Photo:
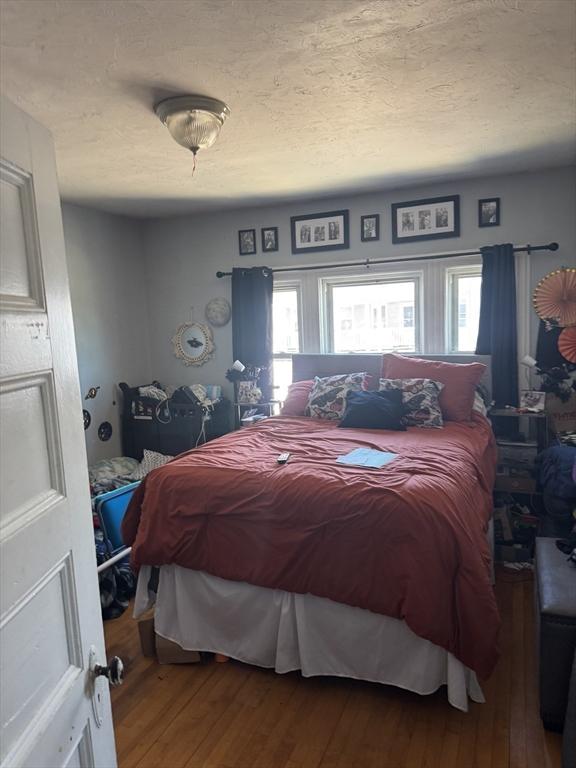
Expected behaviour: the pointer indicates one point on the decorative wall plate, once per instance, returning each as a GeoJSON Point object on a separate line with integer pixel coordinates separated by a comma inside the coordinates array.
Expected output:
{"type": "Point", "coordinates": [105, 431]}
{"type": "Point", "coordinates": [87, 418]}
{"type": "Point", "coordinates": [193, 343]}
{"type": "Point", "coordinates": [555, 297]}
{"type": "Point", "coordinates": [567, 344]}
{"type": "Point", "coordinates": [218, 312]}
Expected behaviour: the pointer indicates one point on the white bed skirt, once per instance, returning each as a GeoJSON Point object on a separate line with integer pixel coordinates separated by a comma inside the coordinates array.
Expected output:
{"type": "Point", "coordinates": [287, 632]}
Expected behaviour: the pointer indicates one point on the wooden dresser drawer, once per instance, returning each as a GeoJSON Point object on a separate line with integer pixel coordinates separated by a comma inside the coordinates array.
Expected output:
{"type": "Point", "coordinates": [515, 484]}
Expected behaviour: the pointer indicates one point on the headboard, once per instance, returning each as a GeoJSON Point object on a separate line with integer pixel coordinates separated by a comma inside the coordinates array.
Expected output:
{"type": "Point", "coordinates": [308, 366]}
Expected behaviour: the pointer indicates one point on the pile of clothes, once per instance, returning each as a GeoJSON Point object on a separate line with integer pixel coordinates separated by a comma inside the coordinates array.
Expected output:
{"type": "Point", "coordinates": [117, 583]}
{"type": "Point", "coordinates": [108, 474]}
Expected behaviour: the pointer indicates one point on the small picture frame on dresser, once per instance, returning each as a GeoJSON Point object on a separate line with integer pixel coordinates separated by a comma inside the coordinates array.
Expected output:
{"type": "Point", "coordinates": [532, 401]}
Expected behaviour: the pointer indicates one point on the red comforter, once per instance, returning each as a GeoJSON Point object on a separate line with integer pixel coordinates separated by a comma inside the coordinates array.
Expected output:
{"type": "Point", "coordinates": [407, 540]}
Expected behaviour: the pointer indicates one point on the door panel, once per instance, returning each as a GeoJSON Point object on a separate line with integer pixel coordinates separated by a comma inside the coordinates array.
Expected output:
{"type": "Point", "coordinates": [49, 602]}
{"type": "Point", "coordinates": [39, 629]}
{"type": "Point", "coordinates": [28, 408]}
{"type": "Point", "coordinates": [20, 264]}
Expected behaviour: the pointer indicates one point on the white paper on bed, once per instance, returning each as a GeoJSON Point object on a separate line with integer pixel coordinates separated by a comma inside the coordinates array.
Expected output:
{"type": "Point", "coordinates": [286, 632]}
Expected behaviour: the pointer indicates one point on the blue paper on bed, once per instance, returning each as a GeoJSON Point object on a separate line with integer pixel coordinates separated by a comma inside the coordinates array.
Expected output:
{"type": "Point", "coordinates": [367, 457]}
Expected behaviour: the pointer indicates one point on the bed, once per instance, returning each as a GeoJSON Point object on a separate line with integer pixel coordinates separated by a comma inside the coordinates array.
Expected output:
{"type": "Point", "coordinates": [378, 575]}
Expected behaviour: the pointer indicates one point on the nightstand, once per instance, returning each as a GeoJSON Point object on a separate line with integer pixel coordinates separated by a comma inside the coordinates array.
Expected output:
{"type": "Point", "coordinates": [518, 504]}
{"type": "Point", "coordinates": [269, 408]}
{"type": "Point", "coordinates": [520, 438]}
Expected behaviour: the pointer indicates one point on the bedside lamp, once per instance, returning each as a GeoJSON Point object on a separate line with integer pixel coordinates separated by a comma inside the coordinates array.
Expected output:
{"type": "Point", "coordinates": [529, 364]}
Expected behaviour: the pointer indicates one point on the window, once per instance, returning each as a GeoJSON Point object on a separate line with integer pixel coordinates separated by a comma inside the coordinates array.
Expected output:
{"type": "Point", "coordinates": [429, 307]}
{"type": "Point", "coordinates": [286, 336]}
{"type": "Point", "coordinates": [372, 315]}
{"type": "Point", "coordinates": [464, 286]}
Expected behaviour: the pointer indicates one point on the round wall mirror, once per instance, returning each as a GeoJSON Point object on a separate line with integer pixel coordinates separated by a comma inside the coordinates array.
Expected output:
{"type": "Point", "coordinates": [193, 343]}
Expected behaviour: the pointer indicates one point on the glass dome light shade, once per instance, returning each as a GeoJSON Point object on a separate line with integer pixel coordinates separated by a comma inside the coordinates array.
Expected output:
{"type": "Point", "coordinates": [193, 121]}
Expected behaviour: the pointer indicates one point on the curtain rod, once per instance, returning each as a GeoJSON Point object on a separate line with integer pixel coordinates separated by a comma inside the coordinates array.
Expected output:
{"type": "Point", "coordinates": [368, 262]}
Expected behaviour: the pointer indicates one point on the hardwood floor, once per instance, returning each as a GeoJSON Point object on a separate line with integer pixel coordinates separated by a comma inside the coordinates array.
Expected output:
{"type": "Point", "coordinates": [236, 716]}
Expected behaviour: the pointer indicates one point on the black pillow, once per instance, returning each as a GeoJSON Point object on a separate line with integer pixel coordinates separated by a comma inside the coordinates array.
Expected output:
{"type": "Point", "coordinates": [374, 410]}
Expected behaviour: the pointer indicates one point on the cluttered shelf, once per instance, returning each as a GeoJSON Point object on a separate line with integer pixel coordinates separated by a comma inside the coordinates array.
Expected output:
{"type": "Point", "coordinates": [517, 413]}
{"type": "Point", "coordinates": [518, 507]}
{"type": "Point", "coordinates": [171, 420]}
{"type": "Point", "coordinates": [519, 443]}
{"type": "Point", "coordinates": [533, 476]}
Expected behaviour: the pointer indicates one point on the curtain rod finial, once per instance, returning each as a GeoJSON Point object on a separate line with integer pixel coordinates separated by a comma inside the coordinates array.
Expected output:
{"type": "Point", "coordinates": [219, 274]}
{"type": "Point", "coordinates": [553, 247]}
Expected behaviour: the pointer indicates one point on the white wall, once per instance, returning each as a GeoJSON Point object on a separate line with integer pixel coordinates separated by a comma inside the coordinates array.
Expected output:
{"type": "Point", "coordinates": [108, 286]}
{"type": "Point", "coordinates": [183, 254]}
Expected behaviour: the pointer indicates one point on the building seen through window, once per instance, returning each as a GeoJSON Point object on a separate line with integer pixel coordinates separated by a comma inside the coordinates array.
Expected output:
{"type": "Point", "coordinates": [374, 317]}
{"type": "Point", "coordinates": [466, 301]}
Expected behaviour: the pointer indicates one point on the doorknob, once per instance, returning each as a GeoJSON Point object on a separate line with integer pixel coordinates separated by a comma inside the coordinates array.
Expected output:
{"type": "Point", "coordinates": [114, 672]}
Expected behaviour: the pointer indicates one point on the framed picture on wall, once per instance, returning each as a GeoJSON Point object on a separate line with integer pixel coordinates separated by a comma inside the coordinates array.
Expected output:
{"type": "Point", "coordinates": [430, 219]}
{"type": "Point", "coordinates": [247, 241]}
{"type": "Point", "coordinates": [320, 232]}
{"type": "Point", "coordinates": [269, 239]}
{"type": "Point", "coordinates": [489, 212]}
{"type": "Point", "coordinates": [370, 227]}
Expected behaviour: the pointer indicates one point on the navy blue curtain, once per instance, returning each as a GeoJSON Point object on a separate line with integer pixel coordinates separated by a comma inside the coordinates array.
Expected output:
{"type": "Point", "coordinates": [252, 321]}
{"type": "Point", "coordinates": [497, 331]}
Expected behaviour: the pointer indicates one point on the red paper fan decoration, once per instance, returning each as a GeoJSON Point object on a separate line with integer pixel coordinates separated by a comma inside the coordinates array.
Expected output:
{"type": "Point", "coordinates": [555, 297]}
{"type": "Point", "coordinates": [567, 344]}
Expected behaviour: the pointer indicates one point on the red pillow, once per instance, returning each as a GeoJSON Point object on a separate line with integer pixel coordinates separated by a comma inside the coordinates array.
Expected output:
{"type": "Point", "coordinates": [459, 379]}
{"type": "Point", "coordinates": [297, 398]}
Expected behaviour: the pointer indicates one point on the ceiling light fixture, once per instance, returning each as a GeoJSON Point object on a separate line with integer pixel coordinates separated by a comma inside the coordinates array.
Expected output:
{"type": "Point", "coordinates": [193, 121]}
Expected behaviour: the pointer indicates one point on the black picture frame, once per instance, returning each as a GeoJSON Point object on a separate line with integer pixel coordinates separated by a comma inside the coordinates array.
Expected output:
{"type": "Point", "coordinates": [374, 237]}
{"type": "Point", "coordinates": [488, 217]}
{"type": "Point", "coordinates": [244, 246]}
{"type": "Point", "coordinates": [327, 231]}
{"type": "Point", "coordinates": [425, 219]}
{"type": "Point", "coordinates": [269, 237]}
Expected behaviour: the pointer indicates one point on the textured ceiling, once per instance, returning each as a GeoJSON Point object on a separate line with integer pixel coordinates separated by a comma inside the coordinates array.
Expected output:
{"type": "Point", "coordinates": [326, 95]}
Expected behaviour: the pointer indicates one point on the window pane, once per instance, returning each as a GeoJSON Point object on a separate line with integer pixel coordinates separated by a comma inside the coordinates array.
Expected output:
{"type": "Point", "coordinates": [467, 306]}
{"type": "Point", "coordinates": [286, 339]}
{"type": "Point", "coordinates": [374, 317]}
{"type": "Point", "coordinates": [281, 376]}
{"type": "Point", "coordinates": [285, 321]}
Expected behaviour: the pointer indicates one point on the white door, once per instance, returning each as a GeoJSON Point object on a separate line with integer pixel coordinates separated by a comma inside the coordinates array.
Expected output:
{"type": "Point", "coordinates": [49, 609]}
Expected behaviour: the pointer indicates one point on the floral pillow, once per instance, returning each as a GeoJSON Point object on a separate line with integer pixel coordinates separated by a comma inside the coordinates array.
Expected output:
{"type": "Point", "coordinates": [328, 396]}
{"type": "Point", "coordinates": [420, 398]}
